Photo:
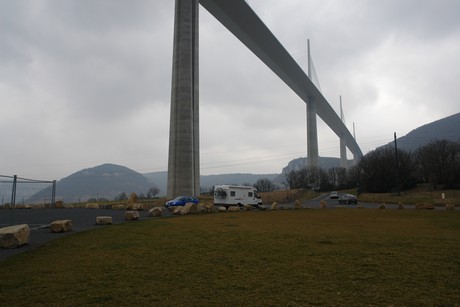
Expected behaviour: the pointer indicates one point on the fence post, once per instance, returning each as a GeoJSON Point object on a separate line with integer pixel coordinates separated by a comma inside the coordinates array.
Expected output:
{"type": "Point", "coordinates": [13, 198]}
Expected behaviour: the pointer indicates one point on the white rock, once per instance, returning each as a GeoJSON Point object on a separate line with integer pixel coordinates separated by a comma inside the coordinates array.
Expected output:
{"type": "Point", "coordinates": [156, 211]}
{"type": "Point", "coordinates": [233, 209]}
{"type": "Point", "coordinates": [103, 220]}
{"type": "Point", "coordinates": [131, 215]}
{"type": "Point", "coordinates": [14, 236]}
{"type": "Point", "coordinates": [221, 209]}
{"type": "Point", "coordinates": [61, 226]}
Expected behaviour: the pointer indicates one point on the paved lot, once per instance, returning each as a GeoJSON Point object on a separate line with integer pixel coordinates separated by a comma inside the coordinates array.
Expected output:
{"type": "Point", "coordinates": [38, 219]}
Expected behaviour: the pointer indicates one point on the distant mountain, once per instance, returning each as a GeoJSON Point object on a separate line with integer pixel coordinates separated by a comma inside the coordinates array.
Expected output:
{"type": "Point", "coordinates": [447, 128]}
{"type": "Point", "coordinates": [103, 181]}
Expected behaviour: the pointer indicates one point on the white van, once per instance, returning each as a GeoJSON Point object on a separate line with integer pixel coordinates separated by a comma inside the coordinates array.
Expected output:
{"type": "Point", "coordinates": [235, 195]}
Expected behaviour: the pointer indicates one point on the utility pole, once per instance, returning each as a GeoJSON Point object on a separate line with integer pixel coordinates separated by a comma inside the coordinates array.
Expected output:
{"type": "Point", "coordinates": [397, 166]}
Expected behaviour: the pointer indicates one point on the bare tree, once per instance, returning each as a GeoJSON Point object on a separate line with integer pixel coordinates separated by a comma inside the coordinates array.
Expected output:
{"type": "Point", "coordinates": [439, 162]}
{"type": "Point", "coordinates": [153, 191]}
{"type": "Point", "coordinates": [264, 185]}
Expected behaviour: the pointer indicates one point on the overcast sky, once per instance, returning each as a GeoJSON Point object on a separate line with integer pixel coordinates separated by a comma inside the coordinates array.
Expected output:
{"type": "Point", "coordinates": [89, 82]}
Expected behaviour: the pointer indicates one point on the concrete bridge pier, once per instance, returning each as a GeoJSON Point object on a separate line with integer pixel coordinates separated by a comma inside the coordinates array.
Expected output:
{"type": "Point", "coordinates": [312, 134]}
{"type": "Point", "coordinates": [343, 152]}
{"type": "Point", "coordinates": [184, 152]}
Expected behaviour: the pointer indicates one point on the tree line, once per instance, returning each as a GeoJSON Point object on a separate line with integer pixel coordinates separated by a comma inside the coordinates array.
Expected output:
{"type": "Point", "coordinates": [384, 170]}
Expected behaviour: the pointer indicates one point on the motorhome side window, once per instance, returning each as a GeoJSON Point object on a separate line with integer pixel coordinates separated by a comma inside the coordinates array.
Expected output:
{"type": "Point", "coordinates": [232, 193]}
{"type": "Point", "coordinates": [250, 194]}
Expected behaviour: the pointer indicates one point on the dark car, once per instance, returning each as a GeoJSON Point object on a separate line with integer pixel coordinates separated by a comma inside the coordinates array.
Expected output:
{"type": "Point", "coordinates": [348, 199]}
{"type": "Point", "coordinates": [181, 201]}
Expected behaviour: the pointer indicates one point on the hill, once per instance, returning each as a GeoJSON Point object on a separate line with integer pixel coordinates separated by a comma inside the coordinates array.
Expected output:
{"type": "Point", "coordinates": [447, 128]}
{"type": "Point", "coordinates": [103, 181]}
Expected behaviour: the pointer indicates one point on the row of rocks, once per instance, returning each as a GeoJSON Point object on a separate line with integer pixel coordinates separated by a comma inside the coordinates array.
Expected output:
{"type": "Point", "coordinates": [420, 206]}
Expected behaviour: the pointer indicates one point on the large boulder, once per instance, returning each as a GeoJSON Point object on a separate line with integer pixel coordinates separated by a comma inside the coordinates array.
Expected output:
{"type": "Point", "coordinates": [322, 204]}
{"type": "Point", "coordinates": [92, 206]}
{"type": "Point", "coordinates": [221, 209]}
{"type": "Point", "coordinates": [200, 208]}
{"type": "Point", "coordinates": [275, 206]}
{"type": "Point", "coordinates": [156, 211]}
{"type": "Point", "coordinates": [131, 215]}
{"type": "Point", "coordinates": [61, 226]}
{"type": "Point", "coordinates": [59, 204]}
{"type": "Point", "coordinates": [450, 207]}
{"type": "Point", "coordinates": [233, 209]}
{"type": "Point", "coordinates": [209, 207]}
{"type": "Point", "coordinates": [132, 198]}
{"type": "Point", "coordinates": [382, 206]}
{"type": "Point", "coordinates": [188, 208]}
{"type": "Point", "coordinates": [297, 204]}
{"type": "Point", "coordinates": [140, 206]}
{"type": "Point", "coordinates": [424, 206]}
{"type": "Point", "coordinates": [247, 208]}
{"type": "Point", "coordinates": [400, 206]}
{"type": "Point", "coordinates": [103, 220]}
{"type": "Point", "coordinates": [14, 236]}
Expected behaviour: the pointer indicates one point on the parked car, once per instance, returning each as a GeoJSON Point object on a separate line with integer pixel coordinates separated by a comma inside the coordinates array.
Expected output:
{"type": "Point", "coordinates": [348, 199]}
{"type": "Point", "coordinates": [334, 195]}
{"type": "Point", "coordinates": [181, 201]}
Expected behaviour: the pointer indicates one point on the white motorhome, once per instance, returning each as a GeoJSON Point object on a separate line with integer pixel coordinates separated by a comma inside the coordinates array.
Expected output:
{"type": "Point", "coordinates": [235, 195]}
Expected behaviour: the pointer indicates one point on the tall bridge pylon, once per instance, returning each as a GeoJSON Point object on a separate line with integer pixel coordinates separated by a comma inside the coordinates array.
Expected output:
{"type": "Point", "coordinates": [238, 17]}
{"type": "Point", "coordinates": [184, 145]}
{"type": "Point", "coordinates": [312, 127]}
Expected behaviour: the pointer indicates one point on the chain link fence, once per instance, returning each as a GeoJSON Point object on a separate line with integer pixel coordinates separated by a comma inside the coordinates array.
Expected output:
{"type": "Point", "coordinates": [23, 193]}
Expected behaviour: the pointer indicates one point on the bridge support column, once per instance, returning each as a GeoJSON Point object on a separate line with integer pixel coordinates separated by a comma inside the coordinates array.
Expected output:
{"type": "Point", "coordinates": [343, 153]}
{"type": "Point", "coordinates": [184, 152]}
{"type": "Point", "coordinates": [312, 134]}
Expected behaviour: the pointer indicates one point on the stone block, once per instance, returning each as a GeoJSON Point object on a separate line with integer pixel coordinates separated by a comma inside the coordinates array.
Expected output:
{"type": "Point", "coordinates": [14, 236]}
{"type": "Point", "coordinates": [424, 206]}
{"type": "Point", "coordinates": [221, 209]}
{"type": "Point", "coordinates": [61, 226]}
{"type": "Point", "coordinates": [209, 208]}
{"type": "Point", "coordinates": [131, 215]}
{"type": "Point", "coordinates": [297, 204]}
{"type": "Point", "coordinates": [103, 220]}
{"type": "Point", "coordinates": [322, 204]}
{"type": "Point", "coordinates": [233, 209]}
{"type": "Point", "coordinates": [156, 211]}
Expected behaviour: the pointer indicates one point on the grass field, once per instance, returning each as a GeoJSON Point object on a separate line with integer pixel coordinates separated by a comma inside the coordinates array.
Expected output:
{"type": "Point", "coordinates": [334, 257]}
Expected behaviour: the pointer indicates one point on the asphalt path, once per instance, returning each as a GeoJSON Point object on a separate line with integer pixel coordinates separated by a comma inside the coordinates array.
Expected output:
{"type": "Point", "coordinates": [39, 219]}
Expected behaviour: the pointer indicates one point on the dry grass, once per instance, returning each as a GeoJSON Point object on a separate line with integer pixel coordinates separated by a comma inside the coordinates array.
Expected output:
{"type": "Point", "coordinates": [341, 257]}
